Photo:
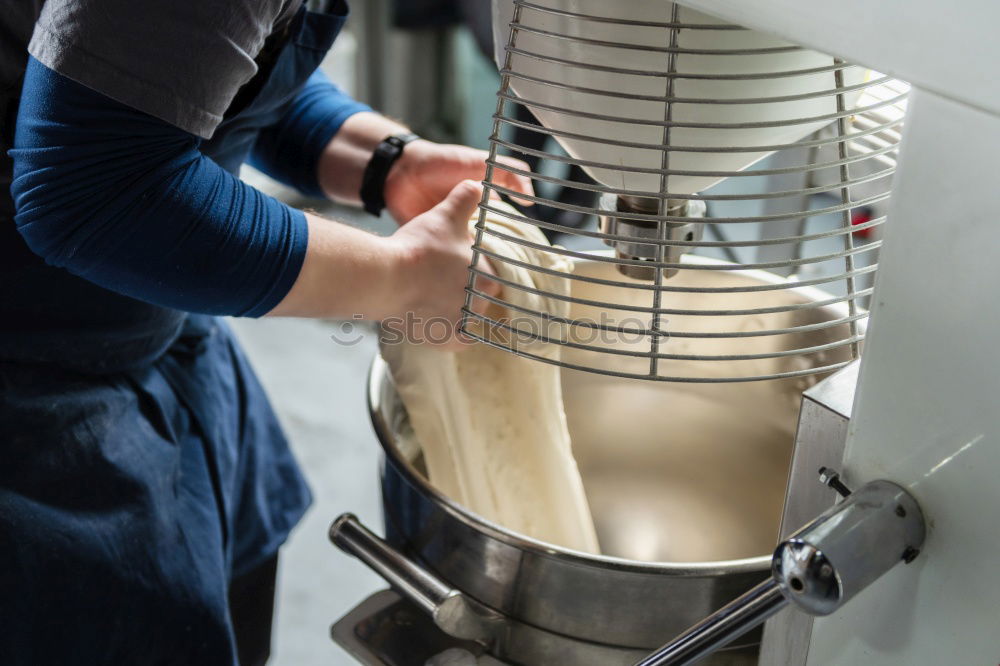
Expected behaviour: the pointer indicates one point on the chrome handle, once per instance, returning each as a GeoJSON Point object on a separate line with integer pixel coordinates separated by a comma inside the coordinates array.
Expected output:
{"type": "Point", "coordinates": [818, 569]}
{"type": "Point", "coordinates": [721, 627]}
{"type": "Point", "coordinates": [455, 613]}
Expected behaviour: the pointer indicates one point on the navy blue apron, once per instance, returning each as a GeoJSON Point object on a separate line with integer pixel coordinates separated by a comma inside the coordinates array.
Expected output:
{"type": "Point", "coordinates": [141, 466]}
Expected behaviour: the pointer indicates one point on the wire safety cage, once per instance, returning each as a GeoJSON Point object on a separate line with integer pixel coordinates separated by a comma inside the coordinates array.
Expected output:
{"type": "Point", "coordinates": [721, 193]}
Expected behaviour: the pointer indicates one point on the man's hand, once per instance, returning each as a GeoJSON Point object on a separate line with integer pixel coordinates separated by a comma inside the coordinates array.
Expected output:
{"type": "Point", "coordinates": [426, 172]}
{"type": "Point", "coordinates": [419, 180]}
{"type": "Point", "coordinates": [435, 251]}
{"type": "Point", "coordinates": [413, 280]}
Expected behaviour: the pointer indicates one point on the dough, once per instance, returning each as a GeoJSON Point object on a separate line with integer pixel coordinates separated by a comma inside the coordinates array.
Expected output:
{"type": "Point", "coordinates": [491, 424]}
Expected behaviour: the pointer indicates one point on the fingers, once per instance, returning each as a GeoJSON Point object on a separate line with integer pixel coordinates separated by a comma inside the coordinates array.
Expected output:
{"type": "Point", "coordinates": [460, 204]}
{"type": "Point", "coordinates": [514, 181]}
{"type": "Point", "coordinates": [483, 307]}
{"type": "Point", "coordinates": [484, 284]}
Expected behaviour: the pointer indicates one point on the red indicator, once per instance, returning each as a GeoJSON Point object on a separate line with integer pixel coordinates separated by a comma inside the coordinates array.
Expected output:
{"type": "Point", "coordinates": [861, 216]}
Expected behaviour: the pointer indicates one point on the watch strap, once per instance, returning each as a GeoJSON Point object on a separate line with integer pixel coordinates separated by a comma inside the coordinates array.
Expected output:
{"type": "Point", "coordinates": [383, 157]}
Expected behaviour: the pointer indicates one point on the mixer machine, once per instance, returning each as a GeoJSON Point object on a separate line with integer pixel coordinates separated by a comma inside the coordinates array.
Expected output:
{"type": "Point", "coordinates": [741, 183]}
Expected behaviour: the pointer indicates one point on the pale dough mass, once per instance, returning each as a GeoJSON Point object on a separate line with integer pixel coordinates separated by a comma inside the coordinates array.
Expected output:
{"type": "Point", "coordinates": [490, 423]}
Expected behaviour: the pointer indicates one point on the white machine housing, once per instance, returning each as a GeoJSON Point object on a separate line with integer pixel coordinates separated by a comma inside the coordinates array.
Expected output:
{"type": "Point", "coordinates": [605, 52]}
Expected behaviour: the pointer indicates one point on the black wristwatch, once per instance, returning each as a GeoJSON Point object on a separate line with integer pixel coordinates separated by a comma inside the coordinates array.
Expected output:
{"type": "Point", "coordinates": [373, 182]}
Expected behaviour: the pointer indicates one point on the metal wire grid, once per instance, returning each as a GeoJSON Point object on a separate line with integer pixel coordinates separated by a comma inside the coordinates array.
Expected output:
{"type": "Point", "coordinates": [671, 337]}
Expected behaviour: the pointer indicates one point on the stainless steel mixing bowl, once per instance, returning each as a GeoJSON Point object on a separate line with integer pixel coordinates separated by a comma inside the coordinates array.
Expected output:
{"type": "Point", "coordinates": [685, 482]}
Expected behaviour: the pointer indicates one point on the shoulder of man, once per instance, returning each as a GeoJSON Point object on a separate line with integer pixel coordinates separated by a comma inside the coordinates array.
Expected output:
{"type": "Point", "coordinates": [179, 60]}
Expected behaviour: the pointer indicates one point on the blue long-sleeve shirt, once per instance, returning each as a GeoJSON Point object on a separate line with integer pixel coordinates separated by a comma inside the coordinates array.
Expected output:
{"type": "Point", "coordinates": [289, 150]}
{"type": "Point", "coordinates": [145, 210]}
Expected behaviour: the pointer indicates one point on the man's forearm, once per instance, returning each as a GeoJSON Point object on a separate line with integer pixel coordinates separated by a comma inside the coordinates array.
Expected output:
{"type": "Point", "coordinates": [419, 273]}
{"type": "Point", "coordinates": [343, 161]}
{"type": "Point", "coordinates": [346, 272]}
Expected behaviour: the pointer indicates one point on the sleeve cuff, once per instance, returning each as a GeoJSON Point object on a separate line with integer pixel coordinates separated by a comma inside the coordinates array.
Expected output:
{"type": "Point", "coordinates": [297, 240]}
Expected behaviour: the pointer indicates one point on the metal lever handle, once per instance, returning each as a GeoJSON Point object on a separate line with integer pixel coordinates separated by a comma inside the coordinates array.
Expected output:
{"type": "Point", "coordinates": [452, 611]}
{"type": "Point", "coordinates": [721, 627]}
{"type": "Point", "coordinates": [818, 569]}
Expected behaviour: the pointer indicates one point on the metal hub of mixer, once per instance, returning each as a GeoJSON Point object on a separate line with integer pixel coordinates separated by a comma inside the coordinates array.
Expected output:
{"type": "Point", "coordinates": [678, 234]}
